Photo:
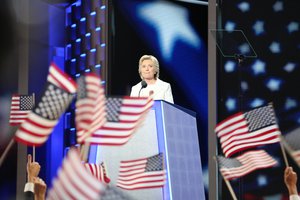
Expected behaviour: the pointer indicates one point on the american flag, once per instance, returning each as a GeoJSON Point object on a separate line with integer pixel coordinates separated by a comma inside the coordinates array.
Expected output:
{"type": "Point", "coordinates": [142, 173]}
{"type": "Point", "coordinates": [21, 105]}
{"type": "Point", "coordinates": [73, 181]}
{"type": "Point", "coordinates": [98, 170]}
{"type": "Point", "coordinates": [237, 167]}
{"type": "Point", "coordinates": [123, 117]}
{"type": "Point", "coordinates": [90, 106]}
{"type": "Point", "coordinates": [34, 131]}
{"type": "Point", "coordinates": [246, 130]}
{"type": "Point", "coordinates": [292, 143]}
{"type": "Point", "coordinates": [46, 113]}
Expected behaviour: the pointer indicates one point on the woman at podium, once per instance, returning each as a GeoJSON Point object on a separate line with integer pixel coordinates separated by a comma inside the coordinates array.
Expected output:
{"type": "Point", "coordinates": [150, 83]}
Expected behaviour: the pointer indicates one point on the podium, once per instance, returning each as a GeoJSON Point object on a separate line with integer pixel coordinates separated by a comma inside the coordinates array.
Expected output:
{"type": "Point", "coordinates": [172, 130]}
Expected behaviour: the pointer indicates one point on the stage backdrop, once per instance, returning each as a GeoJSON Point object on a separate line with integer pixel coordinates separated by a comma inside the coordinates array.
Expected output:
{"type": "Point", "coordinates": [175, 32]}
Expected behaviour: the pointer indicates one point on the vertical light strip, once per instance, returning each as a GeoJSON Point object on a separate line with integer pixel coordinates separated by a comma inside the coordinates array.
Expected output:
{"type": "Point", "coordinates": [160, 123]}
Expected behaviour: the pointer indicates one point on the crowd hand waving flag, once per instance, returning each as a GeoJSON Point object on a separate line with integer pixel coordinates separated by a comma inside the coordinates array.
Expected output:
{"type": "Point", "coordinates": [247, 130]}
{"type": "Point", "coordinates": [73, 181]}
{"type": "Point", "coordinates": [98, 170]}
{"type": "Point", "coordinates": [58, 94]}
{"type": "Point", "coordinates": [142, 173]}
{"type": "Point", "coordinates": [232, 168]}
{"type": "Point", "coordinates": [124, 115]}
{"type": "Point", "coordinates": [21, 105]}
{"type": "Point", "coordinates": [291, 142]}
{"type": "Point", "coordinates": [90, 106]}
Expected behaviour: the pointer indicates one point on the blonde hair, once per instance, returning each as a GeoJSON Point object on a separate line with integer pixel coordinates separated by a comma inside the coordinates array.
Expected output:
{"type": "Point", "coordinates": [154, 60]}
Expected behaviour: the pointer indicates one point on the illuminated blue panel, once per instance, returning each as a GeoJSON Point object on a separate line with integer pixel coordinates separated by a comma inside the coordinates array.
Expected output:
{"type": "Point", "coordinates": [178, 140]}
{"type": "Point", "coordinates": [82, 37]}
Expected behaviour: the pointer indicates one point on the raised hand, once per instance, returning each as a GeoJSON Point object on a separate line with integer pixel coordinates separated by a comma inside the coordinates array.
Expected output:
{"type": "Point", "coordinates": [33, 169]}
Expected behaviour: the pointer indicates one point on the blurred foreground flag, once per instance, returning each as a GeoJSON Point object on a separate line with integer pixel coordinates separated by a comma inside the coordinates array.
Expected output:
{"type": "Point", "coordinates": [34, 131]}
{"type": "Point", "coordinates": [98, 171]}
{"type": "Point", "coordinates": [113, 193]}
{"type": "Point", "coordinates": [247, 130]}
{"type": "Point", "coordinates": [231, 168]}
{"type": "Point", "coordinates": [142, 173]}
{"type": "Point", "coordinates": [62, 80]}
{"type": "Point", "coordinates": [124, 115]}
{"type": "Point", "coordinates": [291, 142]}
{"type": "Point", "coordinates": [73, 181]}
{"type": "Point", "coordinates": [21, 105]}
{"type": "Point", "coordinates": [90, 106]}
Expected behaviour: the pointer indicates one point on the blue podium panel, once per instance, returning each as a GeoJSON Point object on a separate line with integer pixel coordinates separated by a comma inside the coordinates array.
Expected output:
{"type": "Point", "coordinates": [178, 139]}
{"type": "Point", "coordinates": [169, 129]}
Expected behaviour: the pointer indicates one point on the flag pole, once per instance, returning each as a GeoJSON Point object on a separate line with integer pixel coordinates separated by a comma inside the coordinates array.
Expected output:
{"type": "Point", "coordinates": [227, 184]}
{"type": "Point", "coordinates": [230, 188]}
{"type": "Point", "coordinates": [281, 146]}
{"type": "Point", "coordinates": [84, 151]}
{"type": "Point", "coordinates": [33, 148]}
{"type": "Point", "coordinates": [8, 147]}
{"type": "Point", "coordinates": [283, 151]}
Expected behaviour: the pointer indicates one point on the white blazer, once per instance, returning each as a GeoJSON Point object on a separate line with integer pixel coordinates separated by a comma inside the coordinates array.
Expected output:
{"type": "Point", "coordinates": [161, 91]}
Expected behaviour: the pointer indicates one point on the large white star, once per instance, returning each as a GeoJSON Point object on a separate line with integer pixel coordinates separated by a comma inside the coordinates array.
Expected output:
{"type": "Point", "coordinates": [171, 23]}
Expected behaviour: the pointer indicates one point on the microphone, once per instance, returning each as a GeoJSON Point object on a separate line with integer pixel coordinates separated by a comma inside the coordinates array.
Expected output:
{"type": "Point", "coordinates": [144, 85]}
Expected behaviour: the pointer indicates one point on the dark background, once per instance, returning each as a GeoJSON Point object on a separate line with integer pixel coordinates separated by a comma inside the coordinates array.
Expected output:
{"type": "Point", "coordinates": [280, 66]}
